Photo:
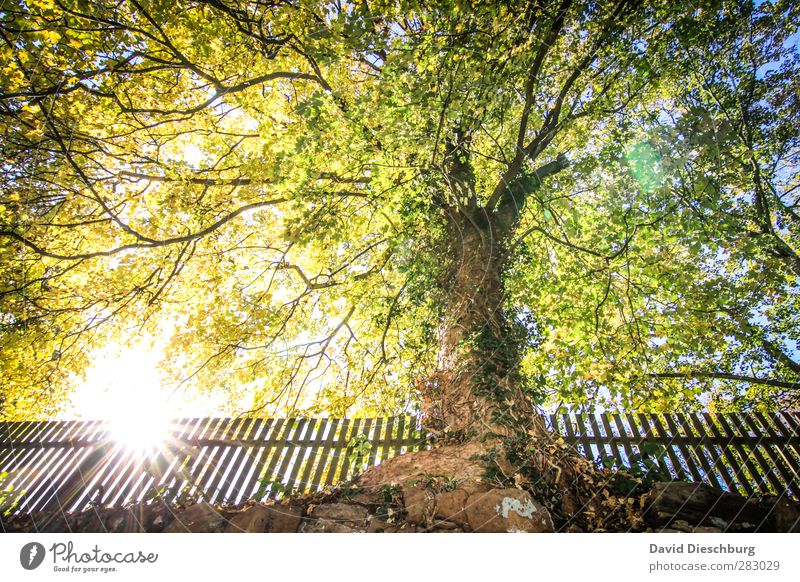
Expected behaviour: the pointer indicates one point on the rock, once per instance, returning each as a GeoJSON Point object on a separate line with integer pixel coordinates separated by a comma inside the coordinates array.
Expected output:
{"type": "Point", "coordinates": [284, 518]}
{"type": "Point", "coordinates": [133, 519]}
{"type": "Point", "coordinates": [143, 517]}
{"type": "Point", "coordinates": [474, 486]}
{"type": "Point", "coordinates": [159, 519]}
{"type": "Point", "coordinates": [507, 510]}
{"type": "Point", "coordinates": [450, 506]}
{"type": "Point", "coordinates": [252, 520]}
{"type": "Point", "coordinates": [786, 516]}
{"type": "Point", "coordinates": [118, 521]}
{"type": "Point", "coordinates": [446, 526]}
{"type": "Point", "coordinates": [137, 518]}
{"type": "Point", "coordinates": [197, 518]}
{"type": "Point", "coordinates": [685, 527]}
{"type": "Point", "coordinates": [700, 505]}
{"type": "Point", "coordinates": [703, 529]}
{"type": "Point", "coordinates": [328, 526]}
{"type": "Point", "coordinates": [461, 462]}
{"type": "Point", "coordinates": [51, 523]}
{"type": "Point", "coordinates": [341, 513]}
{"type": "Point", "coordinates": [92, 520]}
{"type": "Point", "coordinates": [379, 526]}
{"type": "Point", "coordinates": [682, 525]}
{"type": "Point", "coordinates": [367, 499]}
{"type": "Point", "coordinates": [420, 505]}
{"type": "Point", "coordinates": [569, 505]}
{"type": "Point", "coordinates": [266, 518]}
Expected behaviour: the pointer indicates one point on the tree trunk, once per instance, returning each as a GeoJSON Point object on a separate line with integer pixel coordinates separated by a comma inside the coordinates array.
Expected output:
{"type": "Point", "coordinates": [477, 390]}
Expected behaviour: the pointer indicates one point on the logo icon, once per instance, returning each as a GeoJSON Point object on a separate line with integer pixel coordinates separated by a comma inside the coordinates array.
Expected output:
{"type": "Point", "coordinates": [31, 555]}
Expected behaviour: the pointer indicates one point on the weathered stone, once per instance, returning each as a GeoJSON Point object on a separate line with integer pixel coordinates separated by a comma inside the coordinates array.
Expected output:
{"type": "Point", "coordinates": [474, 486]}
{"type": "Point", "coordinates": [121, 521]}
{"type": "Point", "coordinates": [378, 526]}
{"type": "Point", "coordinates": [460, 462]}
{"type": "Point", "coordinates": [420, 505]}
{"type": "Point", "coordinates": [342, 513]}
{"type": "Point", "coordinates": [266, 518]}
{"type": "Point", "coordinates": [135, 518]}
{"type": "Point", "coordinates": [682, 525]}
{"type": "Point", "coordinates": [284, 518]}
{"type": "Point", "coordinates": [704, 529]}
{"type": "Point", "coordinates": [153, 517]}
{"type": "Point", "coordinates": [450, 506]}
{"type": "Point", "coordinates": [197, 518]}
{"type": "Point", "coordinates": [698, 504]}
{"type": "Point", "coordinates": [507, 510]}
{"type": "Point", "coordinates": [370, 498]}
{"type": "Point", "coordinates": [786, 516]}
{"type": "Point", "coordinates": [445, 525]}
{"type": "Point", "coordinates": [51, 523]}
{"type": "Point", "coordinates": [686, 527]}
{"type": "Point", "coordinates": [569, 505]}
{"type": "Point", "coordinates": [328, 526]}
{"type": "Point", "coordinates": [159, 519]}
{"type": "Point", "coordinates": [254, 519]}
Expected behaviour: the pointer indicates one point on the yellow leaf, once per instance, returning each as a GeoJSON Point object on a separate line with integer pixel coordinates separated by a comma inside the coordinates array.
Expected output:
{"type": "Point", "coordinates": [51, 36]}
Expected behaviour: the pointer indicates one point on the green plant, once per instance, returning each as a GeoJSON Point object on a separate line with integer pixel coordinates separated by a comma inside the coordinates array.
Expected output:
{"type": "Point", "coordinates": [10, 497]}
{"type": "Point", "coordinates": [276, 488]}
{"type": "Point", "coordinates": [437, 483]}
{"type": "Point", "coordinates": [174, 494]}
{"type": "Point", "coordinates": [390, 506]}
{"type": "Point", "coordinates": [359, 447]}
{"type": "Point", "coordinates": [349, 490]}
{"type": "Point", "coordinates": [646, 467]}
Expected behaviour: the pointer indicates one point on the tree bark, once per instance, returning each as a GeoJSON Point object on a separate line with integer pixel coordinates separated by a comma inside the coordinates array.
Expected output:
{"type": "Point", "coordinates": [477, 390]}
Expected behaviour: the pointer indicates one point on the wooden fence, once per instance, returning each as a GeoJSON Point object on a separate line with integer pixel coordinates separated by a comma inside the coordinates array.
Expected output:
{"type": "Point", "coordinates": [749, 454]}
{"type": "Point", "coordinates": [70, 465]}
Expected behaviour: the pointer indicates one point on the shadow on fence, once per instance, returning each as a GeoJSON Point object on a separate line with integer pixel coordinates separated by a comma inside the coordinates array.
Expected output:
{"type": "Point", "coordinates": [71, 465]}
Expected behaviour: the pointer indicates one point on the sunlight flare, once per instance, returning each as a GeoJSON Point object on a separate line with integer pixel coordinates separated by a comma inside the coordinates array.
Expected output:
{"type": "Point", "coordinates": [125, 388]}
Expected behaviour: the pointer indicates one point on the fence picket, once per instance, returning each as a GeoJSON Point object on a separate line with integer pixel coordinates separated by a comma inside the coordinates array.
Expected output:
{"type": "Point", "coordinates": [247, 459]}
{"type": "Point", "coordinates": [755, 479]}
{"type": "Point", "coordinates": [772, 452]}
{"type": "Point", "coordinates": [756, 449]}
{"type": "Point", "coordinates": [60, 464]}
{"type": "Point", "coordinates": [325, 466]}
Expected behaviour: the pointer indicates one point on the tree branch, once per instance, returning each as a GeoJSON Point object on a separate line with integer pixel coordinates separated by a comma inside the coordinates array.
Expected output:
{"type": "Point", "coordinates": [146, 245]}
{"type": "Point", "coordinates": [517, 193]}
{"type": "Point", "coordinates": [725, 376]}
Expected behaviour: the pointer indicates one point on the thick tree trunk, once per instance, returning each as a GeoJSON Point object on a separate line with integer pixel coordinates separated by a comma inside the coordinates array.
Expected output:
{"type": "Point", "coordinates": [477, 390]}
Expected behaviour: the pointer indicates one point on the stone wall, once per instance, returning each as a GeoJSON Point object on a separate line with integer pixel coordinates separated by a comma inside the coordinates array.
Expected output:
{"type": "Point", "coordinates": [670, 507]}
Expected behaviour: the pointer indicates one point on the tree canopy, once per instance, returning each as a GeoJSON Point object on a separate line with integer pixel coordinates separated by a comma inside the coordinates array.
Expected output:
{"type": "Point", "coordinates": [273, 186]}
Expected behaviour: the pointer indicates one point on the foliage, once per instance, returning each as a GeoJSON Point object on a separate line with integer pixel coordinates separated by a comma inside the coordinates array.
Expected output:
{"type": "Point", "coordinates": [436, 483]}
{"type": "Point", "coordinates": [273, 487]}
{"type": "Point", "coordinates": [10, 497]}
{"type": "Point", "coordinates": [645, 468]}
{"type": "Point", "coordinates": [348, 490]}
{"type": "Point", "coordinates": [391, 497]}
{"type": "Point", "coordinates": [359, 447]}
{"type": "Point", "coordinates": [172, 494]}
{"type": "Point", "coordinates": [272, 185]}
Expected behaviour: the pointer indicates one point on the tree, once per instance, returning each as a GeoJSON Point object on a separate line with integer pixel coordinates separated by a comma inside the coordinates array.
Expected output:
{"type": "Point", "coordinates": [470, 207]}
{"type": "Point", "coordinates": [737, 178]}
